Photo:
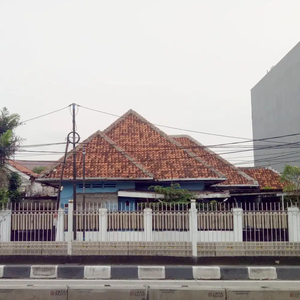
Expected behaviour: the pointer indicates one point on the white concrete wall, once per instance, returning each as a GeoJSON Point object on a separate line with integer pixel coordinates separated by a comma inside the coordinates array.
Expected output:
{"type": "Point", "coordinates": [215, 236]}
{"type": "Point", "coordinates": [171, 236]}
{"type": "Point", "coordinates": [158, 236]}
{"type": "Point", "coordinates": [5, 225]}
{"type": "Point", "coordinates": [125, 236]}
{"type": "Point", "coordinates": [149, 235]}
{"type": "Point", "coordinates": [294, 224]}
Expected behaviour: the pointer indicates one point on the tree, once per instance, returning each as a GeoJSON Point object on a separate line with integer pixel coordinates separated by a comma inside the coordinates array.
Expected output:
{"type": "Point", "coordinates": [8, 140]}
{"type": "Point", "coordinates": [4, 195]}
{"type": "Point", "coordinates": [8, 145]}
{"type": "Point", "coordinates": [291, 179]}
{"type": "Point", "coordinates": [173, 193]}
{"type": "Point", "coordinates": [14, 184]}
{"type": "Point", "coordinates": [39, 170]}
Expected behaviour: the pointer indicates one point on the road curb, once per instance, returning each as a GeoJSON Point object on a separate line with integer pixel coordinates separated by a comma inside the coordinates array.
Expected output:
{"type": "Point", "coordinates": [137, 272]}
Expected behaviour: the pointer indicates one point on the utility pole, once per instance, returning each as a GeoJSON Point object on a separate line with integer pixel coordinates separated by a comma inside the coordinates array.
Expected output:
{"type": "Point", "coordinates": [83, 191]}
{"type": "Point", "coordinates": [61, 176]}
{"type": "Point", "coordinates": [74, 172]}
{"type": "Point", "coordinates": [73, 138]}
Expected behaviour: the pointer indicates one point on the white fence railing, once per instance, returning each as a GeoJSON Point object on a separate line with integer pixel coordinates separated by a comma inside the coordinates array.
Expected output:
{"type": "Point", "coordinates": [192, 230]}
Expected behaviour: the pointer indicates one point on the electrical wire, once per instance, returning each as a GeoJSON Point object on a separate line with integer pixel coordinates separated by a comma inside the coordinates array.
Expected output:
{"type": "Point", "coordinates": [247, 140]}
{"type": "Point", "coordinates": [42, 145]}
{"type": "Point", "coordinates": [202, 156]}
{"type": "Point", "coordinates": [224, 145]}
{"type": "Point", "coordinates": [44, 115]}
{"type": "Point", "coordinates": [170, 127]}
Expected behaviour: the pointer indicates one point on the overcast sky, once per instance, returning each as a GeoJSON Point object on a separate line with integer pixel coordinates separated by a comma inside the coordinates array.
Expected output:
{"type": "Point", "coordinates": [188, 64]}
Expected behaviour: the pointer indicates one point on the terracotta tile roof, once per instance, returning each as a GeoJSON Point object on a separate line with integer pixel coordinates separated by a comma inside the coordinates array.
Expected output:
{"type": "Point", "coordinates": [157, 152]}
{"type": "Point", "coordinates": [234, 175]}
{"type": "Point", "coordinates": [103, 160]}
{"type": "Point", "coordinates": [21, 168]}
{"type": "Point", "coordinates": [31, 164]}
{"type": "Point", "coordinates": [267, 178]}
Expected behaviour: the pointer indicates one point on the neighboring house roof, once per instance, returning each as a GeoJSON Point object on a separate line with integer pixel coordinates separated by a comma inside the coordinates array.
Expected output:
{"type": "Point", "coordinates": [31, 164]}
{"type": "Point", "coordinates": [21, 168]}
{"type": "Point", "coordinates": [234, 175]}
{"type": "Point", "coordinates": [104, 159]}
{"type": "Point", "coordinates": [157, 152]}
{"type": "Point", "coordinates": [31, 188]}
{"type": "Point", "coordinates": [266, 177]}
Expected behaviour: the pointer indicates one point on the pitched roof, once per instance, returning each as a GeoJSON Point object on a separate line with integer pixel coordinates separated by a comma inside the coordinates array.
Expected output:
{"type": "Point", "coordinates": [266, 177]}
{"type": "Point", "coordinates": [104, 159]}
{"type": "Point", "coordinates": [233, 174]}
{"type": "Point", "coordinates": [31, 164]}
{"type": "Point", "coordinates": [156, 151]}
{"type": "Point", "coordinates": [21, 168]}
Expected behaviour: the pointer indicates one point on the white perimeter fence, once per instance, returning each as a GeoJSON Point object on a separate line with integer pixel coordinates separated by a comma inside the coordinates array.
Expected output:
{"type": "Point", "coordinates": [181, 231]}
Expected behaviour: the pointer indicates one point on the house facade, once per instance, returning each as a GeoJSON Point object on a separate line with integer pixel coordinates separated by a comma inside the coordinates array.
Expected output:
{"type": "Point", "coordinates": [128, 157]}
{"type": "Point", "coordinates": [29, 186]}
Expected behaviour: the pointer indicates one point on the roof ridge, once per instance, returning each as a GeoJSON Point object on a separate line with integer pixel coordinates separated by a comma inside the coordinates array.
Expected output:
{"type": "Point", "coordinates": [14, 162]}
{"type": "Point", "coordinates": [205, 148]}
{"type": "Point", "coordinates": [108, 140]}
{"type": "Point", "coordinates": [124, 153]}
{"type": "Point", "coordinates": [113, 124]}
{"type": "Point", "coordinates": [261, 168]}
{"type": "Point", "coordinates": [60, 160]}
{"type": "Point", "coordinates": [169, 138]}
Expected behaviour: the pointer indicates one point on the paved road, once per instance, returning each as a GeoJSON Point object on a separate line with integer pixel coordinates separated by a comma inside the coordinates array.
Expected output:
{"type": "Point", "coordinates": [7, 283]}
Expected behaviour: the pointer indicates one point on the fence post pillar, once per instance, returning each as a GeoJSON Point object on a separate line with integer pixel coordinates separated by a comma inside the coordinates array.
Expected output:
{"type": "Point", "coordinates": [238, 224]}
{"type": "Point", "coordinates": [148, 224]}
{"type": "Point", "coordinates": [293, 223]}
{"type": "Point", "coordinates": [193, 227]}
{"type": "Point", "coordinates": [102, 224]}
{"type": "Point", "coordinates": [60, 226]}
{"type": "Point", "coordinates": [5, 225]}
{"type": "Point", "coordinates": [70, 227]}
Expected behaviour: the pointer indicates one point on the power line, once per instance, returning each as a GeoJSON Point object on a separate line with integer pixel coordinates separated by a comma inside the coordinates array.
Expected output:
{"type": "Point", "coordinates": [44, 115]}
{"type": "Point", "coordinates": [38, 151]}
{"type": "Point", "coordinates": [177, 128]}
{"type": "Point", "coordinates": [247, 140]}
{"type": "Point", "coordinates": [263, 148]}
{"type": "Point", "coordinates": [202, 156]}
{"type": "Point", "coordinates": [271, 158]}
{"type": "Point", "coordinates": [147, 150]}
{"type": "Point", "coordinates": [170, 127]}
{"type": "Point", "coordinates": [42, 145]}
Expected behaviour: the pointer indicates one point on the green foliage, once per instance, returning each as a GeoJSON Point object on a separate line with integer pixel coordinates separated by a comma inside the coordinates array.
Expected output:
{"type": "Point", "coordinates": [39, 170]}
{"type": "Point", "coordinates": [8, 141]}
{"type": "Point", "coordinates": [291, 179]}
{"type": "Point", "coordinates": [14, 184]}
{"type": "Point", "coordinates": [4, 195]}
{"type": "Point", "coordinates": [173, 193]}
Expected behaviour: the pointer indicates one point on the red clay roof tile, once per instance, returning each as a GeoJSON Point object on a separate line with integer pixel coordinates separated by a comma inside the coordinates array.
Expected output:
{"type": "Point", "coordinates": [21, 168]}
{"type": "Point", "coordinates": [156, 151]}
{"type": "Point", "coordinates": [267, 178]}
{"type": "Point", "coordinates": [234, 175]}
{"type": "Point", "coordinates": [103, 160]}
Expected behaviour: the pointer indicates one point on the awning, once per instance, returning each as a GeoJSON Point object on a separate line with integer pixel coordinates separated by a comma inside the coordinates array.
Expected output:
{"type": "Point", "coordinates": [152, 195]}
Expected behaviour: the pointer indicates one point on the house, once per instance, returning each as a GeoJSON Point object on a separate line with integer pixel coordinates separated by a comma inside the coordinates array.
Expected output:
{"type": "Point", "coordinates": [32, 164]}
{"type": "Point", "coordinates": [29, 186]}
{"type": "Point", "coordinates": [270, 184]}
{"type": "Point", "coordinates": [129, 156]}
